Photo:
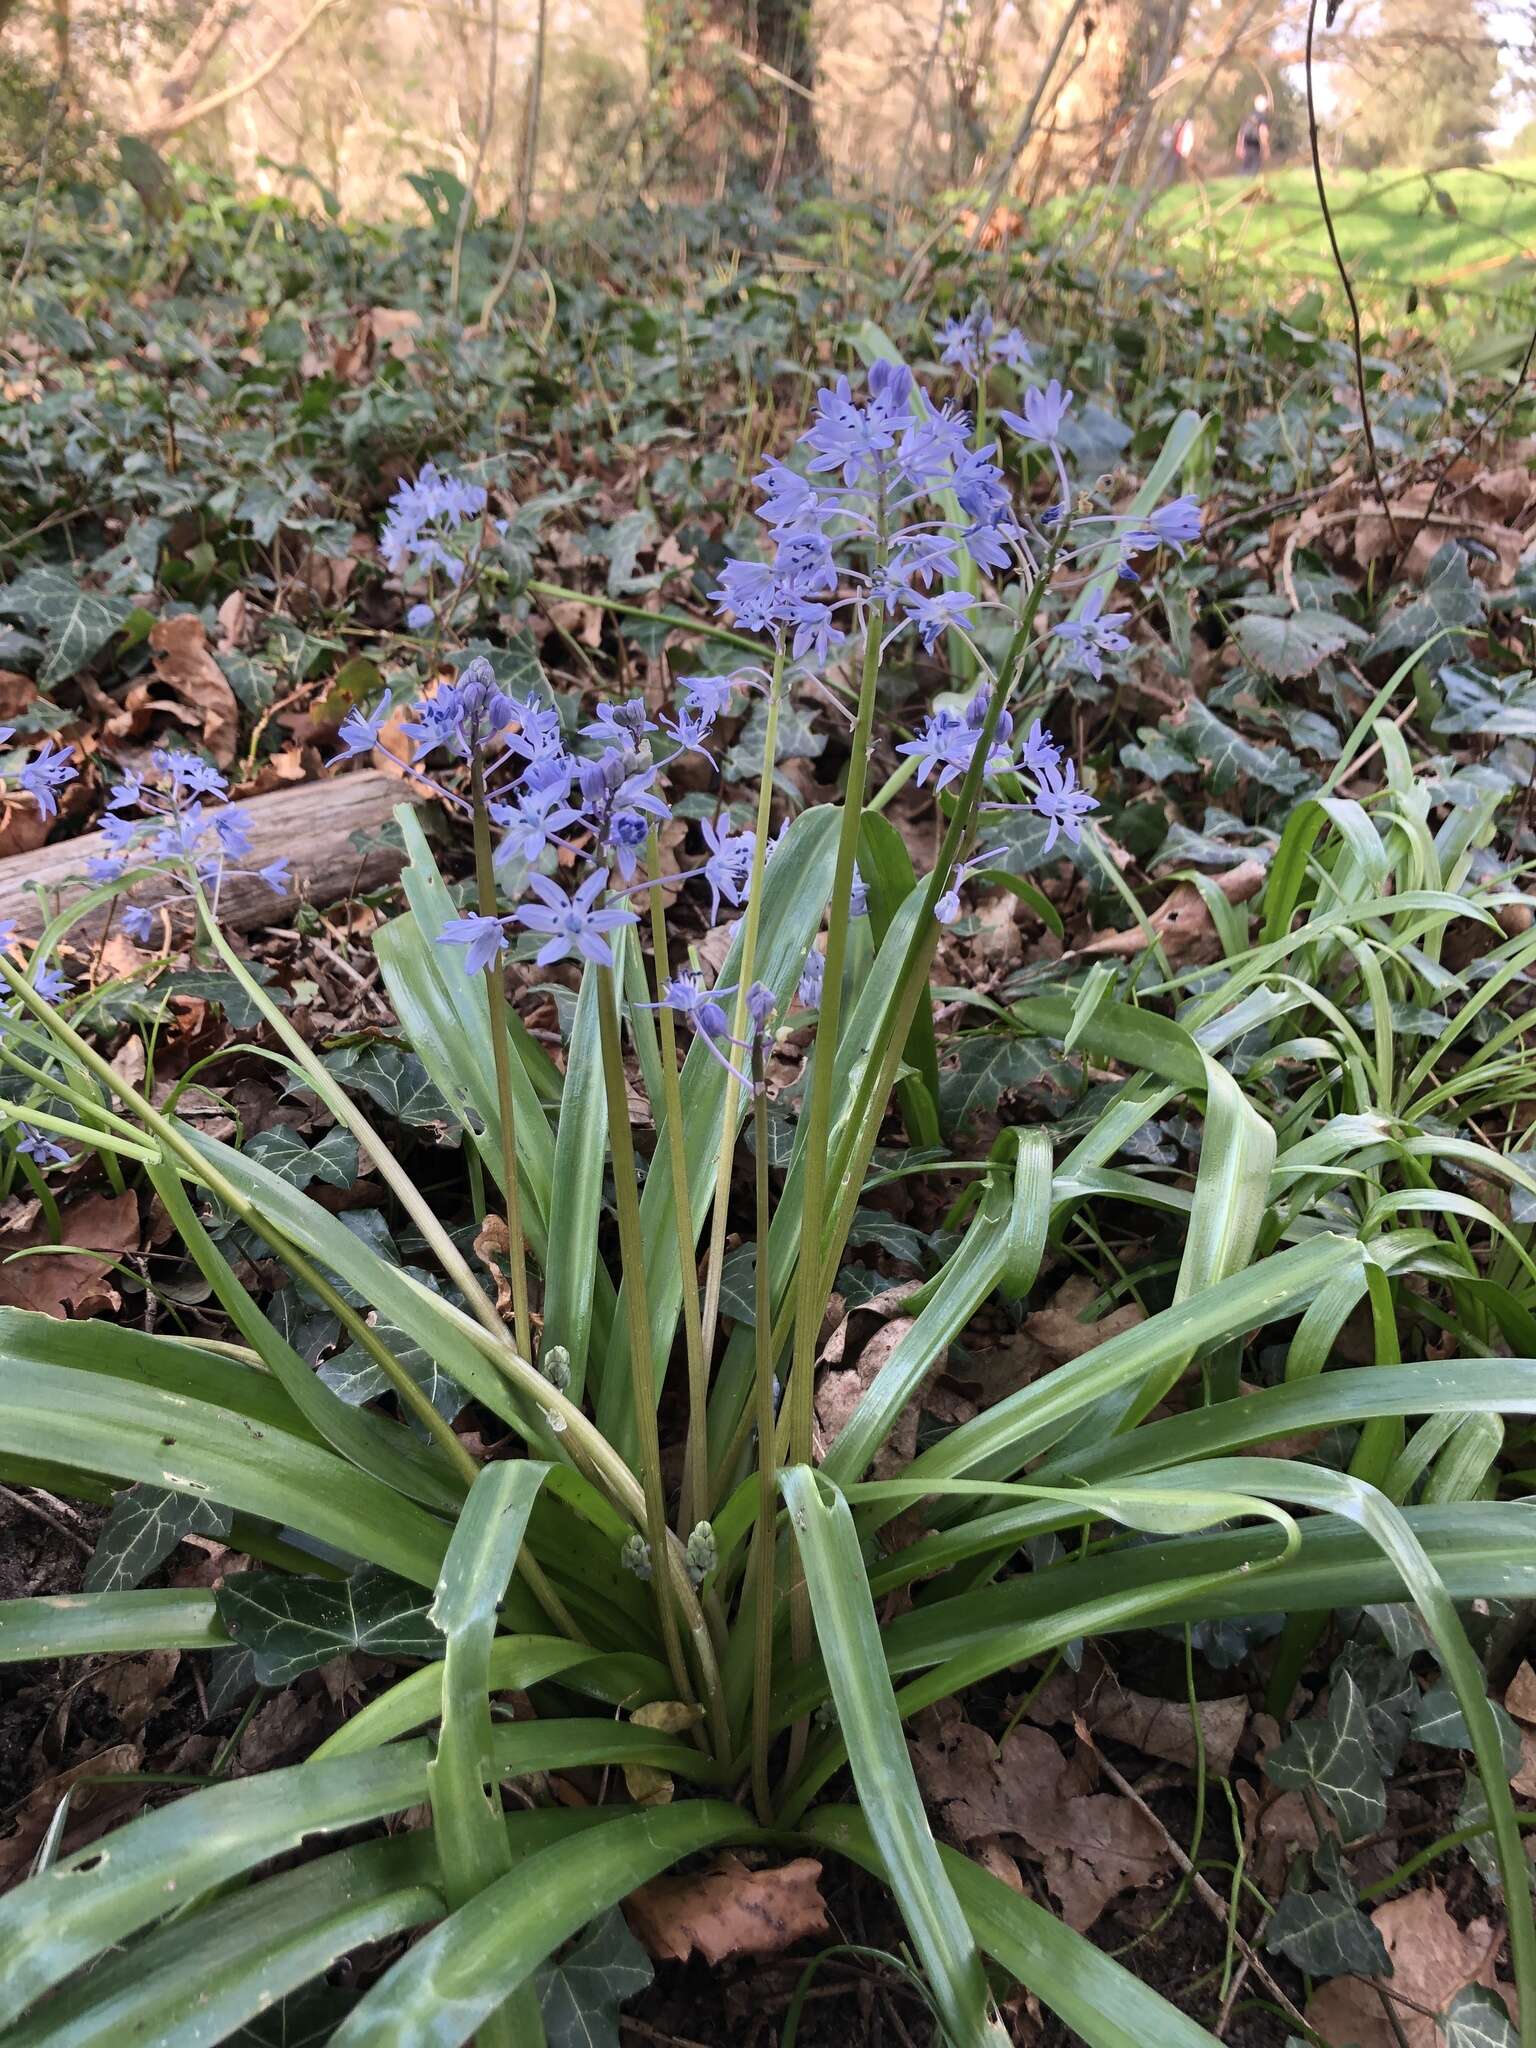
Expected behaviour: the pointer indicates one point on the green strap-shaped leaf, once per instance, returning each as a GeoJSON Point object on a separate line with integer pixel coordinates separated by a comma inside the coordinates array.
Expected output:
{"type": "Point", "coordinates": [870, 1723]}
{"type": "Point", "coordinates": [572, 1262]}
{"type": "Point", "coordinates": [109, 1624]}
{"type": "Point", "coordinates": [515, 1662]}
{"type": "Point", "coordinates": [56, 1923]}
{"type": "Point", "coordinates": [445, 1987]}
{"type": "Point", "coordinates": [472, 1843]}
{"type": "Point", "coordinates": [1001, 1242]}
{"type": "Point", "coordinates": [106, 1425]}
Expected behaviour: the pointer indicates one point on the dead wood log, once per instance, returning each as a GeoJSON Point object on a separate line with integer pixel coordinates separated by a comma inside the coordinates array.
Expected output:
{"type": "Point", "coordinates": [331, 832]}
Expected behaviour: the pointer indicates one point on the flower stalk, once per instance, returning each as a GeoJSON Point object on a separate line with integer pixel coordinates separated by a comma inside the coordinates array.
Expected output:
{"type": "Point", "coordinates": [501, 1059]}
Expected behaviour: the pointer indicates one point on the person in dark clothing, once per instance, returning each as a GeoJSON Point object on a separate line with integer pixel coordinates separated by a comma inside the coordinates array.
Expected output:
{"type": "Point", "coordinates": [1253, 138]}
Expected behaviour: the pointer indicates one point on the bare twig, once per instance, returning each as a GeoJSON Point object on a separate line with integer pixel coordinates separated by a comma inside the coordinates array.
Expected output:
{"type": "Point", "coordinates": [164, 125]}
{"type": "Point", "coordinates": [1342, 268]}
{"type": "Point", "coordinates": [531, 107]}
{"type": "Point", "coordinates": [482, 143]}
{"type": "Point", "coordinates": [1212, 1899]}
{"type": "Point", "coordinates": [1474, 433]}
{"type": "Point", "coordinates": [59, 1528]}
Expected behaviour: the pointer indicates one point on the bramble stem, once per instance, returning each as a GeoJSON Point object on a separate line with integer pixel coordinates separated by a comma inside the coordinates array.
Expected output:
{"type": "Point", "coordinates": [501, 1059]}
{"type": "Point", "coordinates": [632, 1255]}
{"type": "Point", "coordinates": [763, 1541]}
{"type": "Point", "coordinates": [715, 1264]}
{"type": "Point", "coordinates": [696, 1454]}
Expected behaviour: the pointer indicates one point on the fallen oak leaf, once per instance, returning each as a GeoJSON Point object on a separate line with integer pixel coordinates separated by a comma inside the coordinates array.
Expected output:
{"type": "Point", "coordinates": [185, 665]}
{"type": "Point", "coordinates": [729, 1910]}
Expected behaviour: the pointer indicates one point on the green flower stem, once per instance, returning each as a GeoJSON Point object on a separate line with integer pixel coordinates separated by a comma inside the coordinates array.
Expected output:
{"type": "Point", "coordinates": [632, 1253]}
{"type": "Point", "coordinates": [680, 620]}
{"type": "Point", "coordinates": [696, 1453]}
{"type": "Point", "coordinates": [379, 1155]}
{"type": "Point", "coordinates": [809, 1299]}
{"type": "Point", "coordinates": [719, 1216]}
{"type": "Point", "coordinates": [501, 1060]}
{"type": "Point", "coordinates": [62, 1127]}
{"type": "Point", "coordinates": [87, 1105]}
{"type": "Point", "coordinates": [763, 1539]}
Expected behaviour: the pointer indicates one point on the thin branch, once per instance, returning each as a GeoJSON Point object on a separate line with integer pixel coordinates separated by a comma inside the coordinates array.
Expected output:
{"type": "Point", "coordinates": [158, 130]}
{"type": "Point", "coordinates": [482, 143]}
{"type": "Point", "coordinates": [525, 184]}
{"type": "Point", "coordinates": [1340, 266]}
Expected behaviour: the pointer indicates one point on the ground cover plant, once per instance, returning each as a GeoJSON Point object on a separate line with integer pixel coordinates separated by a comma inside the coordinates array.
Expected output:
{"type": "Point", "coordinates": [931, 1148]}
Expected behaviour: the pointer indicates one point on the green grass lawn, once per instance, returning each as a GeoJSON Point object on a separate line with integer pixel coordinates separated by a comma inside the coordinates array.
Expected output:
{"type": "Point", "coordinates": [1467, 231]}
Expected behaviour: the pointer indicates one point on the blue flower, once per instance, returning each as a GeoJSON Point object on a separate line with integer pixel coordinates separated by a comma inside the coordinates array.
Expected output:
{"type": "Point", "coordinates": [957, 340]}
{"type": "Point", "coordinates": [574, 924]}
{"type": "Point", "coordinates": [1093, 634]}
{"type": "Point", "coordinates": [422, 514]}
{"type": "Point", "coordinates": [700, 1007]}
{"type": "Point", "coordinates": [1062, 803]}
{"type": "Point", "coordinates": [621, 725]}
{"type": "Point", "coordinates": [484, 940]}
{"type": "Point", "coordinates": [816, 631]}
{"type": "Point", "coordinates": [690, 728]}
{"type": "Point", "coordinates": [813, 977]}
{"type": "Point", "coordinates": [1175, 525]}
{"type": "Point", "coordinates": [858, 894]}
{"type": "Point", "coordinates": [729, 865]}
{"type": "Point", "coordinates": [533, 821]}
{"type": "Point", "coordinates": [1039, 753]}
{"type": "Point", "coordinates": [39, 1147]}
{"type": "Point", "coordinates": [138, 922]}
{"type": "Point", "coordinates": [50, 984]}
{"type": "Point", "coordinates": [708, 697]}
{"type": "Point", "coordinates": [933, 616]}
{"type": "Point", "coordinates": [360, 730]}
{"type": "Point", "coordinates": [1011, 348]}
{"type": "Point", "coordinates": [625, 839]}
{"type": "Point", "coordinates": [47, 772]}
{"type": "Point", "coordinates": [1043, 414]}
{"type": "Point", "coordinates": [419, 618]}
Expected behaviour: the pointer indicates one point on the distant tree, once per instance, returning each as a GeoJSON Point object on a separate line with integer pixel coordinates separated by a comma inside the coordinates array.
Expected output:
{"type": "Point", "coordinates": [735, 83]}
{"type": "Point", "coordinates": [1416, 80]}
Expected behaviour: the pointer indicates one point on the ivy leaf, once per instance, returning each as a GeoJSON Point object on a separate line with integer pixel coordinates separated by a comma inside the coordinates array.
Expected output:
{"type": "Point", "coordinates": [283, 1152]}
{"type": "Point", "coordinates": [397, 1081]}
{"type": "Point", "coordinates": [738, 1281]}
{"type": "Point", "coordinates": [1478, 701]}
{"type": "Point", "coordinates": [1476, 2018]}
{"type": "Point", "coordinates": [900, 1240]}
{"type": "Point", "coordinates": [580, 1995]}
{"type": "Point", "coordinates": [619, 545]}
{"type": "Point", "coordinates": [291, 1625]}
{"type": "Point", "coordinates": [1438, 1721]}
{"type": "Point", "coordinates": [211, 985]}
{"type": "Point", "coordinates": [1448, 601]}
{"type": "Point", "coordinates": [516, 667]}
{"type": "Point", "coordinates": [1337, 1756]}
{"type": "Point", "coordinates": [335, 1158]}
{"type": "Point", "coordinates": [987, 1065]}
{"type": "Point", "coordinates": [798, 741]}
{"type": "Point", "coordinates": [79, 623]}
{"type": "Point", "coordinates": [355, 1378]}
{"type": "Point", "coordinates": [1228, 758]}
{"type": "Point", "coordinates": [143, 1526]}
{"type": "Point", "coordinates": [1296, 644]}
{"type": "Point", "coordinates": [1325, 1932]}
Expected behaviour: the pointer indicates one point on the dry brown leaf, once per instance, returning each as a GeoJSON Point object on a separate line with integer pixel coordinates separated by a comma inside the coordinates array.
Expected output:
{"type": "Point", "coordinates": [1520, 1695]}
{"type": "Point", "coordinates": [838, 1395]}
{"type": "Point", "coordinates": [582, 621]}
{"type": "Point", "coordinates": [1524, 1780]}
{"type": "Point", "coordinates": [283, 1729]}
{"type": "Point", "coordinates": [729, 1910]}
{"type": "Point", "coordinates": [1160, 1728]}
{"type": "Point", "coordinates": [1091, 1845]}
{"type": "Point", "coordinates": [1182, 921]}
{"type": "Point", "coordinates": [493, 1249]}
{"type": "Point", "coordinates": [234, 621]}
{"type": "Point", "coordinates": [69, 1284]}
{"type": "Point", "coordinates": [1059, 1329]}
{"type": "Point", "coordinates": [1432, 1959]}
{"type": "Point", "coordinates": [17, 693]}
{"type": "Point", "coordinates": [23, 828]}
{"type": "Point", "coordinates": [92, 1807]}
{"type": "Point", "coordinates": [184, 664]}
{"type": "Point", "coordinates": [134, 1687]}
